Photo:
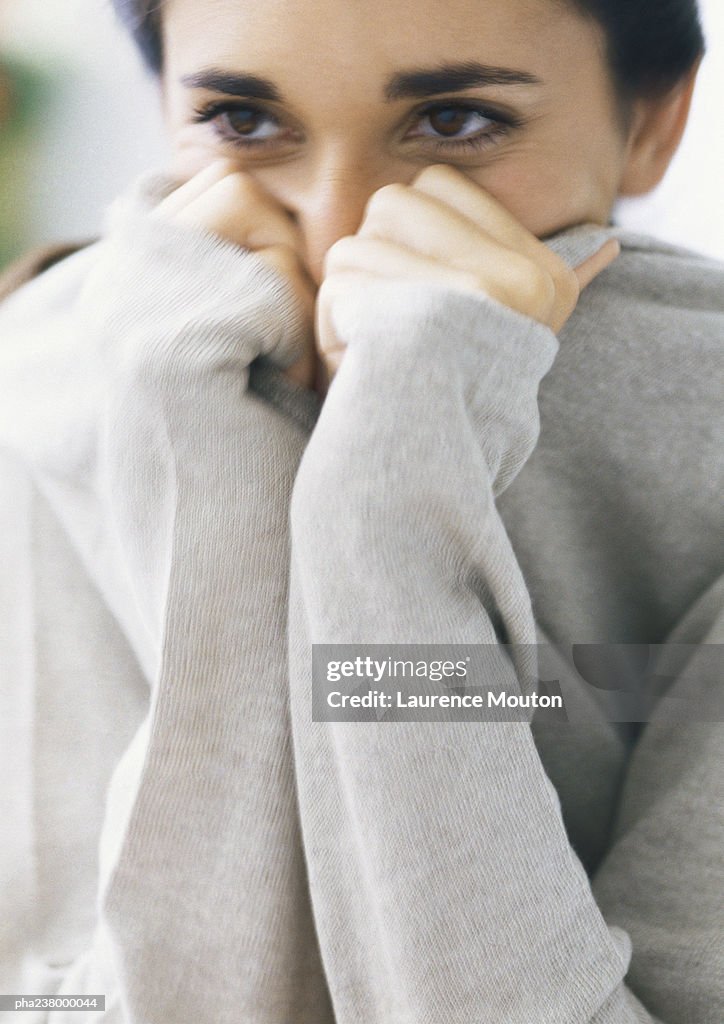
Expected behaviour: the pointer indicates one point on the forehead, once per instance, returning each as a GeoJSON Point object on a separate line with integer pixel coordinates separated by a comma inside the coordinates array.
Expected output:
{"type": "Point", "coordinates": [336, 41]}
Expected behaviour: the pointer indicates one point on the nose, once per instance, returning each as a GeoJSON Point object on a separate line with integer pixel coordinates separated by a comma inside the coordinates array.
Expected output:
{"type": "Point", "coordinates": [330, 204]}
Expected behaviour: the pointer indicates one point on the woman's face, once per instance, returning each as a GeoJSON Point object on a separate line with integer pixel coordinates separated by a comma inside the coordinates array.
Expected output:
{"type": "Point", "coordinates": [325, 101]}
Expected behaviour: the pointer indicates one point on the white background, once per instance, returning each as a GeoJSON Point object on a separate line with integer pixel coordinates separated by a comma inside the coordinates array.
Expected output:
{"type": "Point", "coordinates": [102, 126]}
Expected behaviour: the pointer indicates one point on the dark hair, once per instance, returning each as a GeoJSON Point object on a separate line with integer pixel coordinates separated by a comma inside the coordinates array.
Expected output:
{"type": "Point", "coordinates": [651, 46]}
{"type": "Point", "coordinates": [142, 18]}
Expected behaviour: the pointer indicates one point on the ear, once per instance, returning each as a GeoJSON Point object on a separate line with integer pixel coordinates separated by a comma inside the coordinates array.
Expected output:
{"type": "Point", "coordinates": [657, 126]}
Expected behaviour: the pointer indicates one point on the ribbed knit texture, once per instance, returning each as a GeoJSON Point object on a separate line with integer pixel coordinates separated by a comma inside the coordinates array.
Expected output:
{"type": "Point", "coordinates": [173, 482]}
{"type": "Point", "coordinates": [188, 522]}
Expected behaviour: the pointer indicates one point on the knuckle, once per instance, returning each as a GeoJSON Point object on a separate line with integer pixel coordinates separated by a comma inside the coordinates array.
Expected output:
{"type": "Point", "coordinates": [240, 194]}
{"type": "Point", "coordinates": [384, 198]}
{"type": "Point", "coordinates": [390, 193]}
{"type": "Point", "coordinates": [242, 186]}
{"type": "Point", "coordinates": [469, 280]}
{"type": "Point", "coordinates": [566, 282]}
{"type": "Point", "coordinates": [434, 173]}
{"type": "Point", "coordinates": [223, 167]}
{"type": "Point", "coordinates": [533, 286]}
{"type": "Point", "coordinates": [423, 177]}
{"type": "Point", "coordinates": [338, 254]}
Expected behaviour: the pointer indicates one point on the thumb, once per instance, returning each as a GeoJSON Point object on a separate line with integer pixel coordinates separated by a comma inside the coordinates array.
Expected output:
{"type": "Point", "coordinates": [592, 267]}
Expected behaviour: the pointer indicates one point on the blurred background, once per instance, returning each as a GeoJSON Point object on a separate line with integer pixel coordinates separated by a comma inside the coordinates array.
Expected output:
{"type": "Point", "coordinates": [79, 118]}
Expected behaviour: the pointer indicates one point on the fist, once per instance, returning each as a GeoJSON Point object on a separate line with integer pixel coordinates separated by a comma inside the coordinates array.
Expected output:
{"type": "Point", "coordinates": [444, 228]}
{"type": "Point", "coordinates": [229, 203]}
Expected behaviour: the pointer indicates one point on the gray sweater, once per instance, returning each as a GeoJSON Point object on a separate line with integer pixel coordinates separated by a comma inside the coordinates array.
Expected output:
{"type": "Point", "coordinates": [180, 523]}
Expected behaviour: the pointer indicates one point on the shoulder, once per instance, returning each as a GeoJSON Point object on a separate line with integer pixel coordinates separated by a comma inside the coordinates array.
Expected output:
{"type": "Point", "coordinates": [671, 277]}
{"type": "Point", "coordinates": [648, 270]}
{"type": "Point", "coordinates": [656, 296]}
{"type": "Point", "coordinates": [640, 358]}
{"type": "Point", "coordinates": [33, 264]}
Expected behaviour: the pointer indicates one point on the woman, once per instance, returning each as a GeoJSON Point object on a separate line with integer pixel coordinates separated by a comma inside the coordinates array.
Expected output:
{"type": "Point", "coordinates": [504, 440]}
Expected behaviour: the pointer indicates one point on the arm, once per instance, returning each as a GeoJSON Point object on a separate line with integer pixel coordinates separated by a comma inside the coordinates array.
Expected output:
{"type": "Point", "coordinates": [442, 880]}
{"type": "Point", "coordinates": [178, 497]}
{"type": "Point", "coordinates": [459, 888]}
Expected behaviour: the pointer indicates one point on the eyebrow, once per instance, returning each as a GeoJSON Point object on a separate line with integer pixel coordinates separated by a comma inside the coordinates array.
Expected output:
{"type": "Point", "coordinates": [416, 83]}
{"type": "Point", "coordinates": [422, 82]}
{"type": "Point", "coordinates": [247, 86]}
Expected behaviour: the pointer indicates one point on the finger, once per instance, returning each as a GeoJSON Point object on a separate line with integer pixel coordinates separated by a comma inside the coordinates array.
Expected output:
{"type": "Point", "coordinates": [194, 187]}
{"type": "Point", "coordinates": [491, 269]}
{"type": "Point", "coordinates": [333, 289]}
{"type": "Point", "coordinates": [592, 267]}
{"type": "Point", "coordinates": [582, 275]}
{"type": "Point", "coordinates": [429, 227]}
{"type": "Point", "coordinates": [530, 279]}
{"type": "Point", "coordinates": [461, 193]}
{"type": "Point", "coordinates": [329, 346]}
{"type": "Point", "coordinates": [383, 258]}
{"type": "Point", "coordinates": [238, 209]}
{"type": "Point", "coordinates": [418, 221]}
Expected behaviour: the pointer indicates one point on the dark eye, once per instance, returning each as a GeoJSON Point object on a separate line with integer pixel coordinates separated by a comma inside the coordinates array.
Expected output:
{"type": "Point", "coordinates": [243, 124]}
{"type": "Point", "coordinates": [249, 123]}
{"type": "Point", "coordinates": [457, 121]}
{"type": "Point", "coordinates": [451, 125]}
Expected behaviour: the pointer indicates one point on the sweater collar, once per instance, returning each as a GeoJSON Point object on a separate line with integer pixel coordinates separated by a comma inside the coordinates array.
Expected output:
{"type": "Point", "coordinates": [575, 245]}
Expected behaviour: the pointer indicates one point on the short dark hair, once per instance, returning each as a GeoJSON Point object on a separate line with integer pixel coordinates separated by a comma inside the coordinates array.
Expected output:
{"type": "Point", "coordinates": [142, 18]}
{"type": "Point", "coordinates": [651, 46]}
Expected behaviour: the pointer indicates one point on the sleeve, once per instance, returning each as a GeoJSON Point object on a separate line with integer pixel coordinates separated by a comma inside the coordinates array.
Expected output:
{"type": "Point", "coordinates": [662, 880]}
{"type": "Point", "coordinates": [442, 880]}
{"type": "Point", "coordinates": [179, 498]}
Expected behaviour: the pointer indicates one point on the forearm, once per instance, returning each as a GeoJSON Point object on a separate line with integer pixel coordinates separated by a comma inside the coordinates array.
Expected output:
{"type": "Point", "coordinates": [436, 848]}
{"type": "Point", "coordinates": [214, 803]}
{"type": "Point", "coordinates": [179, 503]}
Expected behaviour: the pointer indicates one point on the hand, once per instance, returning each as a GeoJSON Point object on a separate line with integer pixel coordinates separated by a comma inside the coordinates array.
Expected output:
{"type": "Point", "coordinates": [229, 203]}
{"type": "Point", "coordinates": [444, 228]}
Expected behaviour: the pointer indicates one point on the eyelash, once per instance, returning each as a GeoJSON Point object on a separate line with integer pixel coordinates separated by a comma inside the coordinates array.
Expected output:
{"type": "Point", "coordinates": [501, 125]}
